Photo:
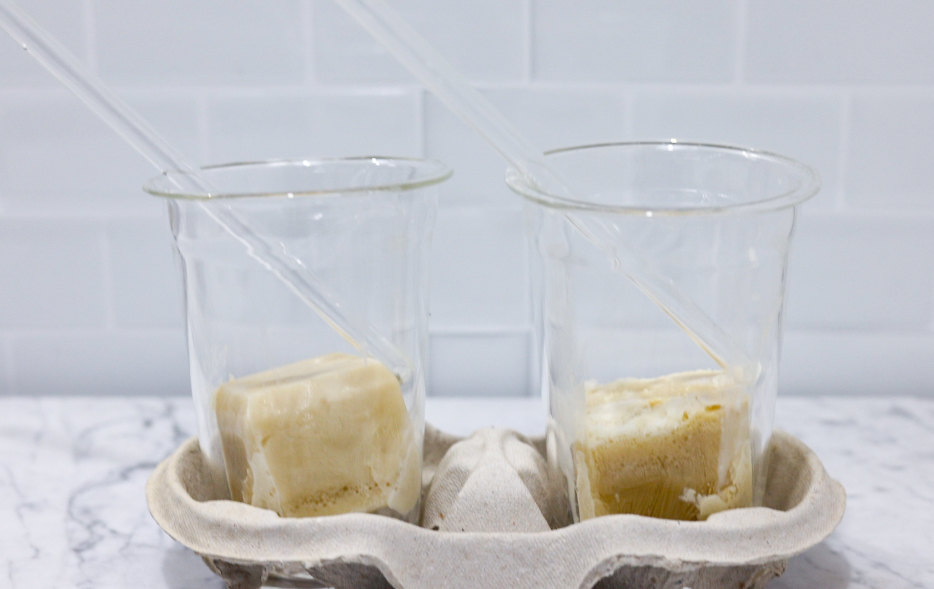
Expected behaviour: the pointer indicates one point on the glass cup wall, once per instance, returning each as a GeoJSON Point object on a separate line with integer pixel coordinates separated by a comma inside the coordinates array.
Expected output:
{"type": "Point", "coordinates": [295, 414]}
{"type": "Point", "coordinates": [659, 290]}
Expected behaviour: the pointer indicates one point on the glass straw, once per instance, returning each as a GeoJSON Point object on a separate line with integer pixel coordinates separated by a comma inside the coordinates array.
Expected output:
{"type": "Point", "coordinates": [137, 132]}
{"type": "Point", "coordinates": [422, 60]}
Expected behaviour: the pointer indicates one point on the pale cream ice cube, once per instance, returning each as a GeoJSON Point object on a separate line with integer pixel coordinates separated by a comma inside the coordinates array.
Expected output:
{"type": "Point", "coordinates": [323, 436]}
{"type": "Point", "coordinates": [674, 447]}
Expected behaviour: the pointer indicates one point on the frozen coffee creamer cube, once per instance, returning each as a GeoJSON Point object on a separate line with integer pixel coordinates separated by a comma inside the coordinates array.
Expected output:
{"type": "Point", "coordinates": [675, 447]}
{"type": "Point", "coordinates": [320, 437]}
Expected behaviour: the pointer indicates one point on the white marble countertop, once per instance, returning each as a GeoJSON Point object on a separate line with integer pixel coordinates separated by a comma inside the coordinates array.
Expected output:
{"type": "Point", "coordinates": [73, 511]}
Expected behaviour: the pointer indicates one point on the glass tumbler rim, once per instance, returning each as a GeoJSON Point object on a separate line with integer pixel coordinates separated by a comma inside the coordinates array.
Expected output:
{"type": "Point", "coordinates": [425, 172]}
{"type": "Point", "coordinates": [808, 185]}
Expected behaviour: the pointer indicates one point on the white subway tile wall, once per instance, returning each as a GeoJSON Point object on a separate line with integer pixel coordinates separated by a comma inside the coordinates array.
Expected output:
{"type": "Point", "coordinates": [147, 293]}
{"type": "Point", "coordinates": [889, 152]}
{"type": "Point", "coordinates": [177, 43]}
{"type": "Point", "coordinates": [787, 122]}
{"type": "Point", "coordinates": [265, 125]}
{"type": "Point", "coordinates": [100, 362]}
{"type": "Point", "coordinates": [839, 42]}
{"type": "Point", "coordinates": [64, 20]}
{"type": "Point", "coordinates": [485, 41]}
{"type": "Point", "coordinates": [635, 41]}
{"type": "Point", "coordinates": [89, 298]}
{"type": "Point", "coordinates": [54, 274]}
{"type": "Point", "coordinates": [861, 273]}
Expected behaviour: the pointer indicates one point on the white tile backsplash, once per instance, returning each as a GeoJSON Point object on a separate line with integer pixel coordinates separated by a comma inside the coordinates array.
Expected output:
{"type": "Point", "coordinates": [206, 43]}
{"type": "Point", "coordinates": [104, 363]}
{"type": "Point", "coordinates": [862, 273]}
{"type": "Point", "coordinates": [177, 117]}
{"type": "Point", "coordinates": [6, 366]}
{"type": "Point", "coordinates": [89, 298]}
{"type": "Point", "coordinates": [262, 127]}
{"type": "Point", "coordinates": [143, 275]}
{"type": "Point", "coordinates": [890, 154]}
{"type": "Point", "coordinates": [578, 116]}
{"type": "Point", "coordinates": [484, 39]}
{"type": "Point", "coordinates": [840, 41]}
{"type": "Point", "coordinates": [479, 364]}
{"type": "Point", "coordinates": [51, 274]}
{"type": "Point", "coordinates": [635, 41]}
{"type": "Point", "coordinates": [886, 363]}
{"type": "Point", "coordinates": [479, 273]}
{"type": "Point", "coordinates": [64, 20]}
{"type": "Point", "coordinates": [57, 158]}
{"type": "Point", "coordinates": [805, 126]}
{"type": "Point", "coordinates": [479, 172]}
{"type": "Point", "coordinates": [575, 115]}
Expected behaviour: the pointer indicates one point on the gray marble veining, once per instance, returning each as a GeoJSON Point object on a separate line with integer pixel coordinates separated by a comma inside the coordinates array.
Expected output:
{"type": "Point", "coordinates": [73, 511]}
{"type": "Point", "coordinates": [882, 450]}
{"type": "Point", "coordinates": [72, 473]}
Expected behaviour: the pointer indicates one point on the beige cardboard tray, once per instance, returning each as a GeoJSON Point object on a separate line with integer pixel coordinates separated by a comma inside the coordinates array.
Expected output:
{"type": "Point", "coordinates": [494, 515]}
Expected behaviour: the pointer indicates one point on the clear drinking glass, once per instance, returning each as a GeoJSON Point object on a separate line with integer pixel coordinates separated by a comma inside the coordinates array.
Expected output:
{"type": "Point", "coordinates": [293, 413]}
{"type": "Point", "coordinates": [660, 285]}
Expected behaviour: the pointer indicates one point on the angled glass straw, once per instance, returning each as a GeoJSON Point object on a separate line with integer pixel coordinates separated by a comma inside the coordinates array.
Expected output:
{"type": "Point", "coordinates": [134, 129]}
{"type": "Point", "coordinates": [416, 54]}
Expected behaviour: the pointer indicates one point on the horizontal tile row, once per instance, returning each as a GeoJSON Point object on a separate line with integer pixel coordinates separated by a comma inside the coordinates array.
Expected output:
{"type": "Point", "coordinates": [69, 274]}
{"type": "Point", "coordinates": [875, 363]}
{"type": "Point", "coordinates": [862, 273]}
{"type": "Point", "coordinates": [57, 274]}
{"type": "Point", "coordinates": [154, 362]}
{"type": "Point", "coordinates": [57, 157]}
{"type": "Point", "coordinates": [204, 43]}
{"type": "Point", "coordinates": [480, 365]}
{"type": "Point", "coordinates": [479, 270]}
{"type": "Point", "coordinates": [7, 367]}
{"type": "Point", "coordinates": [259, 128]}
{"type": "Point", "coordinates": [485, 40]}
{"type": "Point", "coordinates": [53, 274]}
{"type": "Point", "coordinates": [295, 42]}
{"type": "Point", "coordinates": [636, 41]}
{"type": "Point", "coordinates": [871, 148]}
{"type": "Point", "coordinates": [845, 273]}
{"type": "Point", "coordinates": [66, 22]}
{"type": "Point", "coordinates": [837, 41]}
{"type": "Point", "coordinates": [573, 117]}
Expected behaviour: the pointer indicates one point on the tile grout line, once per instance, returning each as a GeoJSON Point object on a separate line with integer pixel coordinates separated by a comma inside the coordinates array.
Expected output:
{"type": "Point", "coordinates": [742, 40]}
{"type": "Point", "coordinates": [90, 33]}
{"type": "Point", "coordinates": [204, 127]}
{"type": "Point", "coordinates": [629, 107]}
{"type": "Point", "coordinates": [421, 129]}
{"type": "Point", "coordinates": [930, 327]}
{"type": "Point", "coordinates": [85, 331]}
{"type": "Point", "coordinates": [480, 330]}
{"type": "Point", "coordinates": [872, 214]}
{"type": "Point", "coordinates": [9, 371]}
{"type": "Point", "coordinates": [308, 44]}
{"type": "Point", "coordinates": [840, 200]}
{"type": "Point", "coordinates": [925, 91]}
{"type": "Point", "coordinates": [110, 313]}
{"type": "Point", "coordinates": [528, 38]}
{"type": "Point", "coordinates": [49, 214]}
{"type": "Point", "coordinates": [535, 365]}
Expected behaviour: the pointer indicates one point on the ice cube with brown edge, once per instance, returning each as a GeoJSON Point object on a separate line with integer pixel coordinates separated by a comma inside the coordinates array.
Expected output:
{"type": "Point", "coordinates": [323, 436]}
{"type": "Point", "coordinates": [673, 447]}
